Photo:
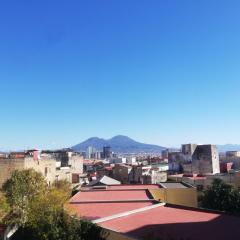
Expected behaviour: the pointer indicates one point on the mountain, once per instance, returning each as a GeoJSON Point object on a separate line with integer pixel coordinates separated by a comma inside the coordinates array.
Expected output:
{"type": "Point", "coordinates": [119, 144]}
{"type": "Point", "coordinates": [228, 147]}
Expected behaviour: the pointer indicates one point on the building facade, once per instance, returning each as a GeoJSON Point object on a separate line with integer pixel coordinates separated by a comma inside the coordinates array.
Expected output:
{"type": "Point", "coordinates": [199, 159]}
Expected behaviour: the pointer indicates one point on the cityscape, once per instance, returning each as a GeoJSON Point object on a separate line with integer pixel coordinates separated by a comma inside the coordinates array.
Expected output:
{"type": "Point", "coordinates": [113, 190]}
{"type": "Point", "coordinates": [119, 120]}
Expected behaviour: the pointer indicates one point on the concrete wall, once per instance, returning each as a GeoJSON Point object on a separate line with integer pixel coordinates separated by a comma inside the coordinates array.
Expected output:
{"type": "Point", "coordinates": [206, 160]}
{"type": "Point", "coordinates": [8, 166]}
{"type": "Point", "coordinates": [121, 173]}
{"type": "Point", "coordinates": [64, 173]}
{"type": "Point", "coordinates": [46, 166]}
{"type": "Point", "coordinates": [179, 196]}
{"type": "Point", "coordinates": [76, 163]}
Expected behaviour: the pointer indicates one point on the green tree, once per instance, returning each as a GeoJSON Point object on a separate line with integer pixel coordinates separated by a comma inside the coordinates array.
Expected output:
{"type": "Point", "coordinates": [64, 227]}
{"type": "Point", "coordinates": [4, 207]}
{"type": "Point", "coordinates": [38, 210]}
{"type": "Point", "coordinates": [23, 188]}
{"type": "Point", "coordinates": [221, 196]}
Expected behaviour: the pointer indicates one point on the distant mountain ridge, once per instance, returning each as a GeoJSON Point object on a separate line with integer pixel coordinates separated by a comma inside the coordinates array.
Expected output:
{"type": "Point", "coordinates": [119, 144]}
{"type": "Point", "coordinates": [228, 147]}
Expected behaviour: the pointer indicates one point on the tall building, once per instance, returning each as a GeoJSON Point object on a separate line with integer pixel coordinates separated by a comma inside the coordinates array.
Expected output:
{"type": "Point", "coordinates": [107, 152]}
{"type": "Point", "coordinates": [90, 151]}
{"type": "Point", "coordinates": [205, 159]}
{"type": "Point", "coordinates": [188, 149]}
{"type": "Point", "coordinates": [193, 158]}
{"type": "Point", "coordinates": [234, 158]}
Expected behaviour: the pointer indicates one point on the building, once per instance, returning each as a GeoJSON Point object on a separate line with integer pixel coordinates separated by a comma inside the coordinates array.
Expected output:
{"type": "Point", "coordinates": [105, 171]}
{"type": "Point", "coordinates": [140, 174]}
{"type": "Point", "coordinates": [128, 212]}
{"type": "Point", "coordinates": [153, 176]}
{"type": "Point", "coordinates": [107, 152]}
{"type": "Point", "coordinates": [90, 152]}
{"type": "Point", "coordinates": [103, 181]}
{"type": "Point", "coordinates": [131, 160]}
{"type": "Point", "coordinates": [195, 159]}
{"type": "Point", "coordinates": [93, 204]}
{"type": "Point", "coordinates": [165, 221]}
{"type": "Point", "coordinates": [203, 182]}
{"type": "Point", "coordinates": [226, 167]}
{"type": "Point", "coordinates": [24, 160]}
{"type": "Point", "coordinates": [189, 149]}
{"type": "Point", "coordinates": [176, 193]}
{"type": "Point", "coordinates": [59, 165]}
{"type": "Point", "coordinates": [97, 155]}
{"type": "Point", "coordinates": [121, 172]}
{"type": "Point", "coordinates": [205, 160]}
{"type": "Point", "coordinates": [231, 154]}
{"type": "Point", "coordinates": [234, 158]}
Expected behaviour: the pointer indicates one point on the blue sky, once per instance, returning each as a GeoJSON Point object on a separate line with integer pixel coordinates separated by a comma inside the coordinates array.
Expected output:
{"type": "Point", "coordinates": [164, 72]}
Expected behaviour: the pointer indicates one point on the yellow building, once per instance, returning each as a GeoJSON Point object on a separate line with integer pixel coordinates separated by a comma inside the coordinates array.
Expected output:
{"type": "Point", "coordinates": [176, 193]}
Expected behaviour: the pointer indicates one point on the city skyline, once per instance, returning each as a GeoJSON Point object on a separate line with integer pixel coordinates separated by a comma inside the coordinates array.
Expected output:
{"type": "Point", "coordinates": [162, 73]}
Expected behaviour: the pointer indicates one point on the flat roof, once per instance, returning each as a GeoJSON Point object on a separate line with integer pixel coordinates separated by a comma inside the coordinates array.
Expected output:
{"type": "Point", "coordinates": [99, 203]}
{"type": "Point", "coordinates": [103, 195]}
{"type": "Point", "coordinates": [166, 222]}
{"type": "Point", "coordinates": [133, 186]}
{"type": "Point", "coordinates": [174, 185]}
{"type": "Point", "coordinates": [93, 211]}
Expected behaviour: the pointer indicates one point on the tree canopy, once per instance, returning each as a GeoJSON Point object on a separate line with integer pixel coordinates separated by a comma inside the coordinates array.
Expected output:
{"type": "Point", "coordinates": [221, 196]}
{"type": "Point", "coordinates": [38, 209]}
{"type": "Point", "coordinates": [23, 188]}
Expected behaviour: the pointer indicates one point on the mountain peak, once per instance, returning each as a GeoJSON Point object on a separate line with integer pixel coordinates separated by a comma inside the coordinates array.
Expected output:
{"type": "Point", "coordinates": [120, 136]}
{"type": "Point", "coordinates": [119, 144]}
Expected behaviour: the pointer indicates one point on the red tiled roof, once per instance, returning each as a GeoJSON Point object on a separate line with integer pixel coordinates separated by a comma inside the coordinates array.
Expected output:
{"type": "Point", "coordinates": [175, 223]}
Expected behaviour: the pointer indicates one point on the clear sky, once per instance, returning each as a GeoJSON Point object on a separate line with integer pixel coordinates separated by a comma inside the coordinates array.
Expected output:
{"type": "Point", "coordinates": [164, 72]}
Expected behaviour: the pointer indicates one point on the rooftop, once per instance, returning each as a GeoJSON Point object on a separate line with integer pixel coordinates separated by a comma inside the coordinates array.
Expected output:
{"type": "Point", "coordinates": [109, 196]}
{"type": "Point", "coordinates": [133, 187]}
{"type": "Point", "coordinates": [131, 210]}
{"type": "Point", "coordinates": [105, 180]}
{"type": "Point", "coordinates": [174, 185]}
{"type": "Point", "coordinates": [165, 222]}
{"type": "Point", "coordinates": [94, 204]}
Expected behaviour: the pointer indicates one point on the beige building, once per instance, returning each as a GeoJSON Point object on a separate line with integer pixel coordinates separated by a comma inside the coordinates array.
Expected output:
{"type": "Point", "coordinates": [46, 166]}
{"type": "Point", "coordinates": [49, 166]}
{"type": "Point", "coordinates": [153, 176]}
{"type": "Point", "coordinates": [176, 193]}
{"type": "Point", "coordinates": [139, 174]}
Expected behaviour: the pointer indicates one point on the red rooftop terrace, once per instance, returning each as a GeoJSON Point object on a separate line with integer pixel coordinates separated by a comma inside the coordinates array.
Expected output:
{"type": "Point", "coordinates": [131, 212]}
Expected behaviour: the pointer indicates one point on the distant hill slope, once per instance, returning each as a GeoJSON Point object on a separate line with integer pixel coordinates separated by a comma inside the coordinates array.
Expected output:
{"type": "Point", "coordinates": [228, 147]}
{"type": "Point", "coordinates": [119, 144]}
